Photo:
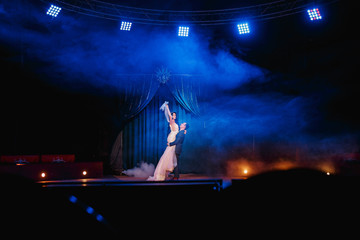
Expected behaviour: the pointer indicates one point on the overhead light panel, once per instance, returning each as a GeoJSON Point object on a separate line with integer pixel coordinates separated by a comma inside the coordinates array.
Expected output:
{"type": "Point", "coordinates": [53, 10]}
{"type": "Point", "coordinates": [183, 31]}
{"type": "Point", "coordinates": [125, 26]}
{"type": "Point", "coordinates": [314, 14]}
{"type": "Point", "coordinates": [243, 28]}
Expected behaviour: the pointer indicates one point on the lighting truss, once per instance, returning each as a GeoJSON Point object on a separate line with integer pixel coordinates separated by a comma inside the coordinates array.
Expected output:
{"type": "Point", "coordinates": [112, 11]}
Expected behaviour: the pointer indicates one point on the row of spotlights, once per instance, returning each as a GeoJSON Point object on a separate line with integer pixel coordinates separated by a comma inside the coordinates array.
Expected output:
{"type": "Point", "coordinates": [183, 31]}
{"type": "Point", "coordinates": [87, 208]}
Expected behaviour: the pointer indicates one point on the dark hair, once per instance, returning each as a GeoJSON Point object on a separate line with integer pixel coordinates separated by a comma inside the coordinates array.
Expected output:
{"type": "Point", "coordinates": [187, 126]}
{"type": "Point", "coordinates": [177, 119]}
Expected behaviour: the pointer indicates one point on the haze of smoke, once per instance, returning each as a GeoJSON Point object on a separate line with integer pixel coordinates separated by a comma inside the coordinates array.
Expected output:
{"type": "Point", "coordinates": [144, 171]}
{"type": "Point", "coordinates": [72, 56]}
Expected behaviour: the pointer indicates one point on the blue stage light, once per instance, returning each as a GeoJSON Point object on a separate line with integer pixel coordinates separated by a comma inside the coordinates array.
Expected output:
{"type": "Point", "coordinates": [99, 218]}
{"type": "Point", "coordinates": [243, 28]}
{"type": "Point", "coordinates": [53, 11]}
{"type": "Point", "coordinates": [183, 31]}
{"type": "Point", "coordinates": [125, 26]}
{"type": "Point", "coordinates": [314, 14]}
{"type": "Point", "coordinates": [90, 210]}
{"type": "Point", "coordinates": [73, 199]}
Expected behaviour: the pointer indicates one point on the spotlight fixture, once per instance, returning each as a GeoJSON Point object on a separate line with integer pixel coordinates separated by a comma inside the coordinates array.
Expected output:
{"type": "Point", "coordinates": [53, 10]}
{"type": "Point", "coordinates": [314, 14]}
{"type": "Point", "coordinates": [125, 26]}
{"type": "Point", "coordinates": [243, 28]}
{"type": "Point", "coordinates": [183, 31]}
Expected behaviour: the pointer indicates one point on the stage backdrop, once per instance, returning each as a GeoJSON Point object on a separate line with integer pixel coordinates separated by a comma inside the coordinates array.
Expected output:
{"type": "Point", "coordinates": [144, 128]}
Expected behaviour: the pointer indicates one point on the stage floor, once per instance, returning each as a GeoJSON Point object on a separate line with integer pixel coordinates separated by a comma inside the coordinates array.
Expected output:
{"type": "Point", "coordinates": [113, 180]}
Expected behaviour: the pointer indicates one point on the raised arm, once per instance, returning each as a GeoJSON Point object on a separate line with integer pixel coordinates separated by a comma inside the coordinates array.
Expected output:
{"type": "Point", "coordinates": [171, 119]}
{"type": "Point", "coordinates": [167, 111]}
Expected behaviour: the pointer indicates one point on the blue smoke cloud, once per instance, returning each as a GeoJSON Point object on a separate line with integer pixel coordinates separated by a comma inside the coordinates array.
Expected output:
{"type": "Point", "coordinates": [75, 51]}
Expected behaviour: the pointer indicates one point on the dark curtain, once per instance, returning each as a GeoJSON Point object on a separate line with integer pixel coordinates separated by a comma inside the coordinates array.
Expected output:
{"type": "Point", "coordinates": [138, 91]}
{"type": "Point", "coordinates": [186, 91]}
{"type": "Point", "coordinates": [143, 137]}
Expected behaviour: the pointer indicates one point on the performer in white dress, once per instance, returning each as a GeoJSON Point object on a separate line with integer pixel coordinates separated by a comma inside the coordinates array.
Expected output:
{"type": "Point", "coordinates": [168, 160]}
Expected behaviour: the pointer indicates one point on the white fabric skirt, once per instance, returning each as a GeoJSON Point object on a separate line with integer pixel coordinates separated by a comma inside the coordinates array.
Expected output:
{"type": "Point", "coordinates": [167, 163]}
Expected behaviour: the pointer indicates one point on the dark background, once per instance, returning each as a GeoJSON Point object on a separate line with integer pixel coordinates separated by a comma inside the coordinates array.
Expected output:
{"type": "Point", "coordinates": [290, 84]}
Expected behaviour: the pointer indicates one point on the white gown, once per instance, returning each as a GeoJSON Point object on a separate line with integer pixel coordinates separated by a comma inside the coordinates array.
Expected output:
{"type": "Point", "coordinates": [168, 160]}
